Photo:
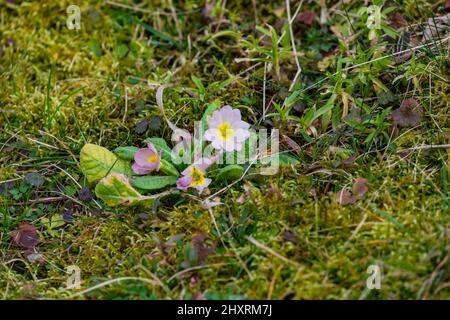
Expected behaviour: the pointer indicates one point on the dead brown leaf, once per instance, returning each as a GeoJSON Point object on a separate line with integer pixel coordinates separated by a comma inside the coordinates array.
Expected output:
{"type": "Point", "coordinates": [359, 188]}
{"type": "Point", "coordinates": [409, 114]}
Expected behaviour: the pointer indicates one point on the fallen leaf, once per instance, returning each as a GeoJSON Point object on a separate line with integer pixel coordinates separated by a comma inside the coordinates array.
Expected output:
{"type": "Point", "coordinates": [344, 197]}
{"type": "Point", "coordinates": [207, 12]}
{"type": "Point", "coordinates": [35, 257]}
{"type": "Point", "coordinates": [409, 114]}
{"type": "Point", "coordinates": [5, 187]}
{"type": "Point", "coordinates": [85, 194]}
{"type": "Point", "coordinates": [68, 216]}
{"type": "Point", "coordinates": [34, 179]}
{"type": "Point", "coordinates": [350, 161]}
{"type": "Point", "coordinates": [25, 236]}
{"type": "Point", "coordinates": [202, 251]}
{"type": "Point", "coordinates": [291, 143]}
{"type": "Point", "coordinates": [289, 236]}
{"type": "Point", "coordinates": [142, 126]}
{"type": "Point", "coordinates": [155, 123]}
{"type": "Point", "coordinates": [360, 187]}
{"type": "Point", "coordinates": [435, 27]}
{"type": "Point", "coordinates": [307, 17]}
{"type": "Point", "coordinates": [397, 20]}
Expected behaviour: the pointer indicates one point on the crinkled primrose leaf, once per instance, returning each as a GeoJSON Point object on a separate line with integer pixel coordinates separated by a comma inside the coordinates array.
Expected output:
{"type": "Point", "coordinates": [153, 182]}
{"type": "Point", "coordinates": [96, 162]}
{"type": "Point", "coordinates": [115, 189]}
{"type": "Point", "coordinates": [230, 173]}
{"type": "Point", "coordinates": [168, 168]}
{"type": "Point", "coordinates": [126, 153]}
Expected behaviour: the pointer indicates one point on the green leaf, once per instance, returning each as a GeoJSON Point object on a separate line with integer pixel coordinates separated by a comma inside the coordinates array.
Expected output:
{"type": "Point", "coordinates": [226, 33]}
{"type": "Point", "coordinates": [327, 107]}
{"type": "Point", "coordinates": [162, 146]}
{"type": "Point", "coordinates": [96, 162]}
{"type": "Point", "coordinates": [283, 159]}
{"type": "Point", "coordinates": [153, 182]}
{"type": "Point", "coordinates": [199, 85]}
{"type": "Point", "coordinates": [95, 48]}
{"type": "Point", "coordinates": [286, 159]}
{"type": "Point", "coordinates": [156, 33]}
{"type": "Point", "coordinates": [168, 168]}
{"type": "Point", "coordinates": [115, 189]}
{"type": "Point", "coordinates": [120, 51]}
{"type": "Point", "coordinates": [390, 32]}
{"type": "Point", "coordinates": [230, 173]}
{"type": "Point", "coordinates": [389, 217]}
{"type": "Point", "coordinates": [126, 153]}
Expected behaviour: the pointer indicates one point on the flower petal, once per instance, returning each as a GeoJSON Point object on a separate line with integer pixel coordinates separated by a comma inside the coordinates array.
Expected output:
{"type": "Point", "coordinates": [139, 170]}
{"type": "Point", "coordinates": [210, 134]}
{"type": "Point", "coordinates": [184, 182]}
{"type": "Point", "coordinates": [141, 156]}
{"type": "Point", "coordinates": [152, 148]}
{"type": "Point", "coordinates": [206, 183]}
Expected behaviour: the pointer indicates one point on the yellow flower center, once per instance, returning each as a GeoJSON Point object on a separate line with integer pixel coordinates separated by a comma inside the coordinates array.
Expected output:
{"type": "Point", "coordinates": [197, 177]}
{"type": "Point", "coordinates": [152, 159]}
{"type": "Point", "coordinates": [225, 131]}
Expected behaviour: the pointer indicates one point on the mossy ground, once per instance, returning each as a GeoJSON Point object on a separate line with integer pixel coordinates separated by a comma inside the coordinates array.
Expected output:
{"type": "Point", "coordinates": [322, 249]}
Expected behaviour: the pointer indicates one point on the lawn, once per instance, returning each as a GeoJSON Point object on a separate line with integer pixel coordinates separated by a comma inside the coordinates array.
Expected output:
{"type": "Point", "coordinates": [357, 208]}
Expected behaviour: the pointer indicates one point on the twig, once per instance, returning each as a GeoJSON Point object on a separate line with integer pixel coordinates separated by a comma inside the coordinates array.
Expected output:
{"type": "Point", "coordinates": [267, 249]}
{"type": "Point", "coordinates": [291, 33]}
{"type": "Point", "coordinates": [106, 283]}
{"type": "Point", "coordinates": [428, 146]}
{"type": "Point", "coordinates": [42, 200]}
{"type": "Point", "coordinates": [135, 8]}
{"type": "Point", "coordinates": [177, 24]}
{"type": "Point", "coordinates": [193, 269]}
{"type": "Point", "coordinates": [264, 91]}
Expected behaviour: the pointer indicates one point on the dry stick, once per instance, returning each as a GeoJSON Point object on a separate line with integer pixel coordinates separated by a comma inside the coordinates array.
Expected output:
{"type": "Point", "coordinates": [106, 283]}
{"type": "Point", "coordinates": [435, 273]}
{"type": "Point", "coordinates": [43, 200]}
{"type": "Point", "coordinates": [43, 144]}
{"type": "Point", "coordinates": [193, 269]}
{"type": "Point", "coordinates": [134, 8]}
{"type": "Point", "coordinates": [299, 69]}
{"type": "Point", "coordinates": [428, 146]}
{"type": "Point", "coordinates": [255, 11]}
{"type": "Point", "coordinates": [267, 249]}
{"type": "Point", "coordinates": [175, 17]}
{"type": "Point", "coordinates": [264, 92]}
{"type": "Point", "coordinates": [291, 32]}
{"type": "Point", "coordinates": [151, 274]}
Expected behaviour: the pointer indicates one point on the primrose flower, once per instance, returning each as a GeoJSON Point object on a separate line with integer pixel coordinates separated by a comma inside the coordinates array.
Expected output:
{"type": "Point", "coordinates": [194, 175]}
{"type": "Point", "coordinates": [146, 160]}
{"type": "Point", "coordinates": [226, 130]}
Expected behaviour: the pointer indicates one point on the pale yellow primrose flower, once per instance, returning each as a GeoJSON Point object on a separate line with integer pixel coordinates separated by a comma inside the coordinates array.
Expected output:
{"type": "Point", "coordinates": [226, 130]}
{"type": "Point", "coordinates": [194, 175]}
